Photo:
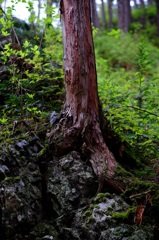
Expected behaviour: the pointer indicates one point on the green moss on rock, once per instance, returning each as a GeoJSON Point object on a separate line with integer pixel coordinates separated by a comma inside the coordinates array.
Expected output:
{"type": "Point", "coordinates": [124, 215]}
{"type": "Point", "coordinates": [101, 197]}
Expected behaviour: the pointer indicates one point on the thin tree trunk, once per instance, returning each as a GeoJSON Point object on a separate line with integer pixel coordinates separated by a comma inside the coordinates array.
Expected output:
{"type": "Point", "coordinates": [143, 19]}
{"type": "Point", "coordinates": [79, 125]}
{"type": "Point", "coordinates": [94, 14]}
{"type": "Point", "coordinates": [110, 14]}
{"type": "Point", "coordinates": [157, 6]}
{"type": "Point", "coordinates": [103, 15]}
{"type": "Point", "coordinates": [121, 14]}
{"type": "Point", "coordinates": [127, 14]}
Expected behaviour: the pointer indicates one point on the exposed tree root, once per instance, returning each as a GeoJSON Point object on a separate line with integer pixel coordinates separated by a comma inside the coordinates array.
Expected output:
{"type": "Point", "coordinates": [87, 138]}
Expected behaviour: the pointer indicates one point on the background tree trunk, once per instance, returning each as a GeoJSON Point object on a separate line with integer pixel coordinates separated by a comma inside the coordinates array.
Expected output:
{"type": "Point", "coordinates": [104, 22]}
{"type": "Point", "coordinates": [94, 14]}
{"type": "Point", "coordinates": [110, 14]}
{"type": "Point", "coordinates": [124, 15]}
{"type": "Point", "coordinates": [127, 14]}
{"type": "Point", "coordinates": [143, 19]}
{"type": "Point", "coordinates": [157, 6]}
{"type": "Point", "coordinates": [79, 125]}
{"type": "Point", "coordinates": [121, 14]}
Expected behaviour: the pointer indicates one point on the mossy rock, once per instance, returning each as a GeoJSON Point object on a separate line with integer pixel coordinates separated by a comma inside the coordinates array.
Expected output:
{"type": "Point", "coordinates": [101, 197]}
{"type": "Point", "coordinates": [124, 216]}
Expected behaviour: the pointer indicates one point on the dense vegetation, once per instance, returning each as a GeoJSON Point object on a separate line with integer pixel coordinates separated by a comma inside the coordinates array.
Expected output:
{"type": "Point", "coordinates": [31, 78]}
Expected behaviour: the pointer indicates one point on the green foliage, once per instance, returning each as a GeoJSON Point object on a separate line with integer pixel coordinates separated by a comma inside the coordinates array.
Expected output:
{"type": "Point", "coordinates": [112, 46]}
{"type": "Point", "coordinates": [115, 33]}
{"type": "Point", "coordinates": [34, 64]}
{"type": "Point", "coordinates": [139, 189]}
{"type": "Point", "coordinates": [149, 12]}
{"type": "Point", "coordinates": [3, 120]}
{"type": "Point", "coordinates": [128, 88]}
{"type": "Point", "coordinates": [144, 22]}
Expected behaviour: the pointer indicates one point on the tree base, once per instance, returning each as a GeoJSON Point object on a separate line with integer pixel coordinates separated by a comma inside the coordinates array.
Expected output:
{"type": "Point", "coordinates": [85, 137]}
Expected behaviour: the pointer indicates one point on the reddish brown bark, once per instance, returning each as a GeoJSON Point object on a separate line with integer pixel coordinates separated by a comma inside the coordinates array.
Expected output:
{"type": "Point", "coordinates": [79, 123]}
{"type": "Point", "coordinates": [79, 63]}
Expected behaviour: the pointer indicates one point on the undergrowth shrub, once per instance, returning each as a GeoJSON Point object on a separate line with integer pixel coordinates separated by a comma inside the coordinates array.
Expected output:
{"type": "Point", "coordinates": [131, 97]}
{"type": "Point", "coordinates": [34, 65]}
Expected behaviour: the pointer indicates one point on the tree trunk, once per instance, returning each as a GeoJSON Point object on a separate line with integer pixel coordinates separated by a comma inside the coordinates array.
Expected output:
{"type": "Point", "coordinates": [143, 19]}
{"type": "Point", "coordinates": [79, 126]}
{"type": "Point", "coordinates": [127, 14]}
{"type": "Point", "coordinates": [103, 15]}
{"type": "Point", "coordinates": [157, 6]}
{"type": "Point", "coordinates": [121, 15]}
{"type": "Point", "coordinates": [94, 14]}
{"type": "Point", "coordinates": [110, 14]}
{"type": "Point", "coordinates": [124, 15]}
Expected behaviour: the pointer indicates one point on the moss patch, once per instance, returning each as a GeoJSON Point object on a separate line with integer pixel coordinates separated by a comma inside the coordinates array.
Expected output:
{"type": "Point", "coordinates": [138, 186]}
{"type": "Point", "coordinates": [126, 215]}
{"type": "Point", "coordinates": [101, 197]}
